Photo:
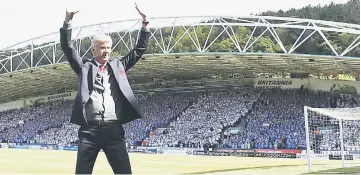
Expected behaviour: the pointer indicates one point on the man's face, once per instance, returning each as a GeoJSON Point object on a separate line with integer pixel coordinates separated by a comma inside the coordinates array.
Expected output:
{"type": "Point", "coordinates": [102, 50]}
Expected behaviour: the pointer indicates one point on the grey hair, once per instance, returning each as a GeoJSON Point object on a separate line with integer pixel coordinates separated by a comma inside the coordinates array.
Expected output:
{"type": "Point", "coordinates": [101, 38]}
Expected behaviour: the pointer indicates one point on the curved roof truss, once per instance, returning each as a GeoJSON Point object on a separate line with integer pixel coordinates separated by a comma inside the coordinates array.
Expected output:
{"type": "Point", "coordinates": [45, 49]}
{"type": "Point", "coordinates": [183, 47]}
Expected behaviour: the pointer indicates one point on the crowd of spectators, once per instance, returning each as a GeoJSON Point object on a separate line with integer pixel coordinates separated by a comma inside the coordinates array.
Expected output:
{"type": "Point", "coordinates": [159, 109]}
{"type": "Point", "coordinates": [30, 122]}
{"type": "Point", "coordinates": [266, 118]}
{"type": "Point", "coordinates": [49, 123]}
{"type": "Point", "coordinates": [203, 122]}
{"type": "Point", "coordinates": [277, 120]}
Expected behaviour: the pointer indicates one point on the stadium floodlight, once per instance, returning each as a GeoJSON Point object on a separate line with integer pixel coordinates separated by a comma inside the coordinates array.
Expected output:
{"type": "Point", "coordinates": [333, 134]}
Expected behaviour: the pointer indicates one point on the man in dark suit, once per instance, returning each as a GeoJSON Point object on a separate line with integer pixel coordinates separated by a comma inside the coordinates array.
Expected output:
{"type": "Point", "coordinates": [104, 100]}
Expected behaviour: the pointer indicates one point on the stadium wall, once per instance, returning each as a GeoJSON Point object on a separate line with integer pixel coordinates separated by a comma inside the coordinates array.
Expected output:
{"type": "Point", "coordinates": [41, 99]}
{"type": "Point", "coordinates": [335, 86]}
{"type": "Point", "coordinates": [49, 98]}
{"type": "Point", "coordinates": [284, 83]}
{"type": "Point", "coordinates": [12, 105]}
{"type": "Point", "coordinates": [311, 84]}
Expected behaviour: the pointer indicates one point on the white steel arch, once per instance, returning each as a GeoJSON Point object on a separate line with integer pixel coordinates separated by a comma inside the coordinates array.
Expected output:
{"type": "Point", "coordinates": [45, 50]}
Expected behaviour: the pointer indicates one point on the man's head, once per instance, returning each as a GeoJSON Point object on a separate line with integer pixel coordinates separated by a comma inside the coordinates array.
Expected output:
{"type": "Point", "coordinates": [101, 48]}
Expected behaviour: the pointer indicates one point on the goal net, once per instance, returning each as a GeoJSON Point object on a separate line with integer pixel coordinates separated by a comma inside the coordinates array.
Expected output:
{"type": "Point", "coordinates": [332, 137]}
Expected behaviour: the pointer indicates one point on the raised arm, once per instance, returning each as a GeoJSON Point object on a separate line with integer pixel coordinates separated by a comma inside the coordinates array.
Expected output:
{"type": "Point", "coordinates": [65, 40]}
{"type": "Point", "coordinates": [137, 52]}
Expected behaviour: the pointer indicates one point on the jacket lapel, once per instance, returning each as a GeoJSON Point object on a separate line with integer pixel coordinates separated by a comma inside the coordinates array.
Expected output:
{"type": "Point", "coordinates": [120, 76]}
{"type": "Point", "coordinates": [95, 70]}
{"type": "Point", "coordinates": [115, 70]}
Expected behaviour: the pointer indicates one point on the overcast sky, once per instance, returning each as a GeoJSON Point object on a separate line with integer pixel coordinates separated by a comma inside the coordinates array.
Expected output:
{"type": "Point", "coordinates": [25, 19]}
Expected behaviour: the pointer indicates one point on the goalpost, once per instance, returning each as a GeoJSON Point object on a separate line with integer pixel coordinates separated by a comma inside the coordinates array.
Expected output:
{"type": "Point", "coordinates": [332, 134]}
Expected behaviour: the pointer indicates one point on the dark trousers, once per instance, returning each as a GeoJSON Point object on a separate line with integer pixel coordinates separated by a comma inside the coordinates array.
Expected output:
{"type": "Point", "coordinates": [110, 139]}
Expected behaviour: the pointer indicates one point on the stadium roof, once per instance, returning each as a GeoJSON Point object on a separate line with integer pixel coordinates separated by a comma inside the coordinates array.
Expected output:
{"type": "Point", "coordinates": [23, 72]}
{"type": "Point", "coordinates": [59, 77]}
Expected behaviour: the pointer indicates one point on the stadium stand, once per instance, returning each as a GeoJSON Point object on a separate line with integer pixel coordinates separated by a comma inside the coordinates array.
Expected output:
{"type": "Point", "coordinates": [203, 121]}
{"type": "Point", "coordinates": [266, 118]}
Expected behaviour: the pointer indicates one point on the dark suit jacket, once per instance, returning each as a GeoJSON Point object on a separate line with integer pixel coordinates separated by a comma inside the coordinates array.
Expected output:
{"type": "Point", "coordinates": [87, 70]}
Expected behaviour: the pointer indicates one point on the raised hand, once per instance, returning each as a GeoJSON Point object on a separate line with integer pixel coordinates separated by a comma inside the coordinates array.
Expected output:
{"type": "Point", "coordinates": [142, 14]}
{"type": "Point", "coordinates": [69, 15]}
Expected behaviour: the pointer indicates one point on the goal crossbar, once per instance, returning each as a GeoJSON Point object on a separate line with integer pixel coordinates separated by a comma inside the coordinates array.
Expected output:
{"type": "Point", "coordinates": [339, 113]}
